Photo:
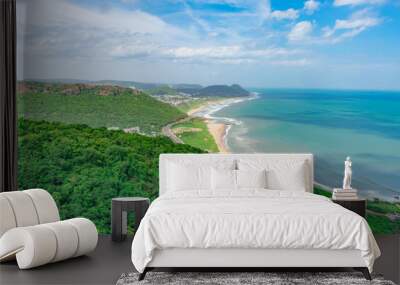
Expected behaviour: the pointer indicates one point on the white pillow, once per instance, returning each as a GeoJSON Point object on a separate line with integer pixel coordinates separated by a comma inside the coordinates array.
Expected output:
{"type": "Point", "coordinates": [287, 175]}
{"type": "Point", "coordinates": [251, 178]}
{"type": "Point", "coordinates": [292, 179]}
{"type": "Point", "coordinates": [188, 174]}
{"type": "Point", "coordinates": [186, 178]}
{"type": "Point", "coordinates": [223, 179]}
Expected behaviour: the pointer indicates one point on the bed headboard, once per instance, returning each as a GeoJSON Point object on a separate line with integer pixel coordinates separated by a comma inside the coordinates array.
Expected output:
{"type": "Point", "coordinates": [201, 158]}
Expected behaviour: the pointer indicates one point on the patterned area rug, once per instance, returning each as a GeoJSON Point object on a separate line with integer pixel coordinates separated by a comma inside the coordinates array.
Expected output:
{"type": "Point", "coordinates": [269, 278]}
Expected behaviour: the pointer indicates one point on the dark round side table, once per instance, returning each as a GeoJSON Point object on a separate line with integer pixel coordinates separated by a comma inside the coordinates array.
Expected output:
{"type": "Point", "coordinates": [119, 214]}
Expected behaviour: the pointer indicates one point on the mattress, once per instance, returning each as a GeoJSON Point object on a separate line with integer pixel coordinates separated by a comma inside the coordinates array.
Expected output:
{"type": "Point", "coordinates": [253, 219]}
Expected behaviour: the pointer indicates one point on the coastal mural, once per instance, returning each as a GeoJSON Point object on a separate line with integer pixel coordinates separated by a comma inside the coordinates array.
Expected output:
{"type": "Point", "coordinates": [106, 86]}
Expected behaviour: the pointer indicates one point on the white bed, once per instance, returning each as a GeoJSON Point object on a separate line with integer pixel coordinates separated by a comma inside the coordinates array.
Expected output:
{"type": "Point", "coordinates": [249, 227]}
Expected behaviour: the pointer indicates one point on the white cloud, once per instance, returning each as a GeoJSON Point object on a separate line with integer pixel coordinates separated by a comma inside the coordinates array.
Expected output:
{"type": "Point", "coordinates": [264, 12]}
{"type": "Point", "coordinates": [357, 2]}
{"type": "Point", "coordinates": [289, 14]}
{"type": "Point", "coordinates": [355, 24]}
{"type": "Point", "coordinates": [301, 31]}
{"type": "Point", "coordinates": [63, 29]}
{"type": "Point", "coordinates": [310, 6]}
{"type": "Point", "coordinates": [217, 54]}
{"type": "Point", "coordinates": [348, 28]}
{"type": "Point", "coordinates": [293, 62]}
{"type": "Point", "coordinates": [139, 50]}
{"type": "Point", "coordinates": [62, 13]}
{"type": "Point", "coordinates": [201, 52]}
{"type": "Point", "coordinates": [129, 1]}
{"type": "Point", "coordinates": [71, 31]}
{"type": "Point", "coordinates": [65, 39]}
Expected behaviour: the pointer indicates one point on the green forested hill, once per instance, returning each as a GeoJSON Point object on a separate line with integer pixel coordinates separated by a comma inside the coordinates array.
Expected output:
{"type": "Point", "coordinates": [162, 90]}
{"type": "Point", "coordinates": [95, 106]}
{"type": "Point", "coordinates": [83, 167]}
{"type": "Point", "coordinates": [234, 90]}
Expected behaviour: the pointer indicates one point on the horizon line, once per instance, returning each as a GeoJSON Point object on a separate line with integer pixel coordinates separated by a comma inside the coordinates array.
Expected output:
{"type": "Point", "coordinates": [205, 85]}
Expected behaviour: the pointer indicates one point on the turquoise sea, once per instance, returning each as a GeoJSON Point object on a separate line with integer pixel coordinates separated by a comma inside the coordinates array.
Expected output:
{"type": "Point", "coordinates": [331, 124]}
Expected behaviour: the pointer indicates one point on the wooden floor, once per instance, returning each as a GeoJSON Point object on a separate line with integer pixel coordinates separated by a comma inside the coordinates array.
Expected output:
{"type": "Point", "coordinates": [110, 260]}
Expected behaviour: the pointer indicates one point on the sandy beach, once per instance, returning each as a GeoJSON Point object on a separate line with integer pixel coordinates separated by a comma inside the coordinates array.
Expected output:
{"type": "Point", "coordinates": [218, 131]}
{"type": "Point", "coordinates": [202, 107]}
{"type": "Point", "coordinates": [218, 127]}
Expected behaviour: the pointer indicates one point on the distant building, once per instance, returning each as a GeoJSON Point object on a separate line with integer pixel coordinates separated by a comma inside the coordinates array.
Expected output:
{"type": "Point", "coordinates": [132, 130]}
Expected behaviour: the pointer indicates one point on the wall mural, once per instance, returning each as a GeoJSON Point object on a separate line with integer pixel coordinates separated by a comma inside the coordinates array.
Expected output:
{"type": "Point", "coordinates": [106, 86]}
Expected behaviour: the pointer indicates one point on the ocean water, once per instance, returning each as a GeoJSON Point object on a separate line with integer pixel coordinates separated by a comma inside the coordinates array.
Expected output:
{"type": "Point", "coordinates": [331, 124]}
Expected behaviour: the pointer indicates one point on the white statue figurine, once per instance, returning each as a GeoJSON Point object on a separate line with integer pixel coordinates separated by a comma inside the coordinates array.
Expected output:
{"type": "Point", "coordinates": [347, 174]}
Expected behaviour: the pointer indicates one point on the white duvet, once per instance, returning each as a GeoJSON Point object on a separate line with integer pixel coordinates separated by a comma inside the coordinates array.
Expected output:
{"type": "Point", "coordinates": [250, 219]}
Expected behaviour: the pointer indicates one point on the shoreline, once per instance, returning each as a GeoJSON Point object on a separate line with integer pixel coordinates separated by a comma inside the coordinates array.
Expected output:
{"type": "Point", "coordinates": [218, 131]}
{"type": "Point", "coordinates": [218, 126]}
{"type": "Point", "coordinates": [192, 112]}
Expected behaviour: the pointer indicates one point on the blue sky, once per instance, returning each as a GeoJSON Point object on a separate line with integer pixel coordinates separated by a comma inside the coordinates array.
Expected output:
{"type": "Point", "coordinates": [347, 44]}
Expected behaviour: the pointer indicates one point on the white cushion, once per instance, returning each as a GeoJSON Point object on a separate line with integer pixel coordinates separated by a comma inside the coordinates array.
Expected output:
{"type": "Point", "coordinates": [26, 208]}
{"type": "Point", "coordinates": [223, 179]}
{"type": "Point", "coordinates": [87, 233]}
{"type": "Point", "coordinates": [227, 180]}
{"type": "Point", "coordinates": [45, 205]}
{"type": "Point", "coordinates": [230, 161]}
{"type": "Point", "coordinates": [23, 208]}
{"type": "Point", "coordinates": [185, 173]}
{"type": "Point", "coordinates": [67, 240]}
{"type": "Point", "coordinates": [32, 246]}
{"type": "Point", "coordinates": [287, 175]}
{"type": "Point", "coordinates": [186, 178]}
{"type": "Point", "coordinates": [251, 178]}
{"type": "Point", "coordinates": [7, 218]}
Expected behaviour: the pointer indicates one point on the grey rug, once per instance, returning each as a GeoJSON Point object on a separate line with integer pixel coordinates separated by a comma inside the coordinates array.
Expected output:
{"type": "Point", "coordinates": [269, 278]}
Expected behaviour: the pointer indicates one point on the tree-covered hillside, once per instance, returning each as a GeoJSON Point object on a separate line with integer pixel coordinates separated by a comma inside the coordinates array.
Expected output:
{"type": "Point", "coordinates": [83, 167]}
{"type": "Point", "coordinates": [162, 90]}
{"type": "Point", "coordinates": [95, 106]}
{"type": "Point", "coordinates": [234, 90]}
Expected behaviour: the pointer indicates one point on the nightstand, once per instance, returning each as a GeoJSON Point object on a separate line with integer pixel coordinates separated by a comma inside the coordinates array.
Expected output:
{"type": "Point", "coordinates": [119, 214]}
{"type": "Point", "coordinates": [358, 206]}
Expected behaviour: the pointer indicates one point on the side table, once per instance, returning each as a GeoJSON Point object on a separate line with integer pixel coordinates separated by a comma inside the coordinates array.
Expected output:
{"type": "Point", "coordinates": [119, 214]}
{"type": "Point", "coordinates": [357, 206]}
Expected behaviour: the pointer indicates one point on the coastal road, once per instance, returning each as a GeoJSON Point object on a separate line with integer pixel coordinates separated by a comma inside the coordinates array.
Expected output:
{"type": "Point", "coordinates": [167, 130]}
